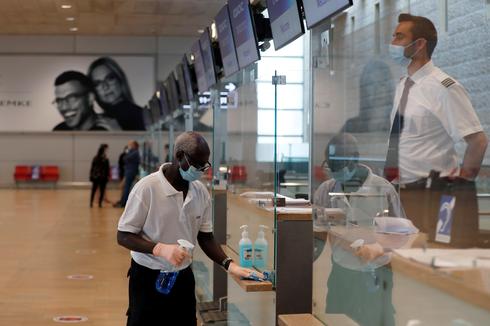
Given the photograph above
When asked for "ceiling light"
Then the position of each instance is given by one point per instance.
(73, 29)
(70, 19)
(65, 6)
(200, 31)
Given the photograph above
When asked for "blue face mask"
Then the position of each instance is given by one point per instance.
(192, 174)
(343, 175)
(397, 54)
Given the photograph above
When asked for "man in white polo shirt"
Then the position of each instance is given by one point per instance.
(163, 207)
(431, 112)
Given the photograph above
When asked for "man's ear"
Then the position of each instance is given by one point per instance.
(179, 155)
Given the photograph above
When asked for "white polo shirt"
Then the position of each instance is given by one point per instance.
(157, 212)
(437, 116)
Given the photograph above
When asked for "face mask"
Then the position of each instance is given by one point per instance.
(192, 174)
(397, 54)
(343, 175)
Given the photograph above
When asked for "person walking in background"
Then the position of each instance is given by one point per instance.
(120, 164)
(131, 167)
(99, 173)
(113, 94)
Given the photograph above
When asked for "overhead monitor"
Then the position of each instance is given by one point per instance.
(164, 104)
(190, 78)
(155, 109)
(207, 57)
(318, 10)
(199, 67)
(226, 42)
(286, 21)
(244, 34)
(172, 92)
(181, 83)
(147, 119)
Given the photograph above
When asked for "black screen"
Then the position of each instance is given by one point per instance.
(172, 92)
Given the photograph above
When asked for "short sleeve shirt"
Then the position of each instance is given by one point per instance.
(438, 114)
(157, 211)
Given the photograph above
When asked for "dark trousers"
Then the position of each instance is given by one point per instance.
(98, 184)
(148, 307)
(128, 182)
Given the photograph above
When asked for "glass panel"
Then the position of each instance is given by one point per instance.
(287, 123)
(289, 96)
(379, 194)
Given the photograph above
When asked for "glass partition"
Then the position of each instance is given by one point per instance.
(383, 239)
(260, 152)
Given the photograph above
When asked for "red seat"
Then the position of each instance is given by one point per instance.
(237, 174)
(50, 173)
(22, 173)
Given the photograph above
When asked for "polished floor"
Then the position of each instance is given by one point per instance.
(47, 235)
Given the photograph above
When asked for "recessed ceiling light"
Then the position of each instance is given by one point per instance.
(200, 31)
(73, 29)
(70, 19)
(65, 6)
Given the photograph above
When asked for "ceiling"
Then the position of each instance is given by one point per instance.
(107, 17)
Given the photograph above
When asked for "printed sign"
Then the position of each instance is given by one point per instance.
(443, 230)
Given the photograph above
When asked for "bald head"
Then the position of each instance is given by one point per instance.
(190, 143)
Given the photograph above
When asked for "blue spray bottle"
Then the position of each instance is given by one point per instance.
(261, 248)
(245, 248)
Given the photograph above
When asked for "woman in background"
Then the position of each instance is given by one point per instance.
(113, 94)
(99, 174)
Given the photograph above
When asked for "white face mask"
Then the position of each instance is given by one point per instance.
(397, 54)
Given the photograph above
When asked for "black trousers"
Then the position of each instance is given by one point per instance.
(97, 183)
(148, 307)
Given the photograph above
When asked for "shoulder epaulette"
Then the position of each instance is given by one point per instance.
(448, 82)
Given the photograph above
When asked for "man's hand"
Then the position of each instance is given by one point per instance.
(238, 271)
(369, 252)
(171, 252)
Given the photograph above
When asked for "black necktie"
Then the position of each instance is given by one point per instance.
(391, 166)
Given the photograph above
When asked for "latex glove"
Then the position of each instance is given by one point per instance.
(173, 253)
(238, 271)
(369, 252)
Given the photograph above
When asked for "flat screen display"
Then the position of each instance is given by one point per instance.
(199, 67)
(147, 119)
(318, 10)
(181, 83)
(164, 106)
(155, 109)
(226, 42)
(286, 21)
(207, 58)
(190, 78)
(243, 32)
(172, 92)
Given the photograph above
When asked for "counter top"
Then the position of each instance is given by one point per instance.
(268, 211)
(247, 285)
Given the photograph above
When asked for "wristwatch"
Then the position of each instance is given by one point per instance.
(226, 263)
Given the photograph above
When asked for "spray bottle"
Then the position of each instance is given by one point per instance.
(245, 248)
(166, 279)
(261, 248)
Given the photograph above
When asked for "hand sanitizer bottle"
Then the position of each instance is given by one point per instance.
(166, 279)
(261, 248)
(245, 248)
